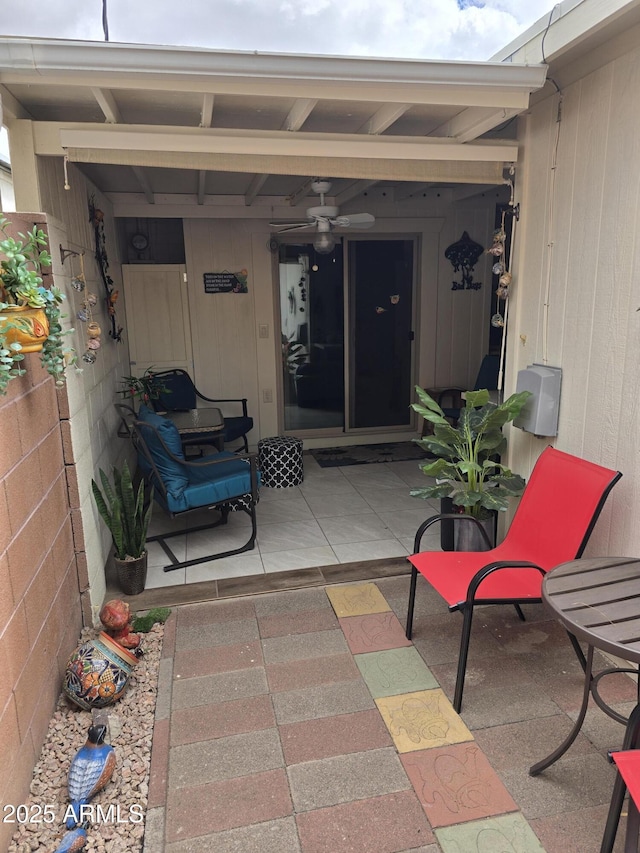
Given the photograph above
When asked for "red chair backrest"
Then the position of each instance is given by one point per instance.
(559, 508)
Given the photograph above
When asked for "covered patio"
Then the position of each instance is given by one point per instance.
(199, 152)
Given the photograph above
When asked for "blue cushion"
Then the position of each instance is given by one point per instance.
(174, 475)
(211, 484)
(180, 394)
(236, 427)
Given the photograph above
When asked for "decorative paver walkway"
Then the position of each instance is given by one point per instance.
(306, 722)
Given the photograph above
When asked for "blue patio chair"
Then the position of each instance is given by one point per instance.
(182, 395)
(222, 482)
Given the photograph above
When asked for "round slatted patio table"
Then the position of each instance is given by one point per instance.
(598, 602)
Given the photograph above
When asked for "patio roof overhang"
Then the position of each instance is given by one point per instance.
(256, 126)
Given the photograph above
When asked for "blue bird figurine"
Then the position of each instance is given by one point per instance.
(73, 841)
(90, 771)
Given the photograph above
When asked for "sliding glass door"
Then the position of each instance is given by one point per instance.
(381, 335)
(348, 320)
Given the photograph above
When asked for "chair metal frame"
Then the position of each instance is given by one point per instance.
(496, 566)
(244, 501)
(128, 416)
(628, 771)
(161, 403)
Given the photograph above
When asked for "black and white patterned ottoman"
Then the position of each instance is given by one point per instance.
(280, 461)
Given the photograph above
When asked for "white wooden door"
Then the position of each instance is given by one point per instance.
(157, 312)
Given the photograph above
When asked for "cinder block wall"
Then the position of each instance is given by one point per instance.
(40, 605)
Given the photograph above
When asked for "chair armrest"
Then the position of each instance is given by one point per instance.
(489, 569)
(242, 400)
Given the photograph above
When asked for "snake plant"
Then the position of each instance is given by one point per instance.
(123, 511)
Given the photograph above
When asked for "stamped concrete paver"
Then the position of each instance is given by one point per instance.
(306, 722)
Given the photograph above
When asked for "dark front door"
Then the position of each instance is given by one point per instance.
(380, 293)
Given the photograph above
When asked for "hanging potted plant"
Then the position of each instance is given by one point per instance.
(124, 512)
(467, 469)
(29, 313)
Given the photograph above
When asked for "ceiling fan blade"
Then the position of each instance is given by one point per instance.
(359, 220)
(290, 226)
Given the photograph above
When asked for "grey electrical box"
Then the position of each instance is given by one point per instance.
(540, 414)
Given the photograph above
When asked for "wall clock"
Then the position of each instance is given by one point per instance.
(139, 242)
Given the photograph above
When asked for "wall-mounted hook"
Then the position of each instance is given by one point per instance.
(66, 253)
(514, 210)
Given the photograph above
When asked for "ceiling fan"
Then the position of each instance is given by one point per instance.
(325, 217)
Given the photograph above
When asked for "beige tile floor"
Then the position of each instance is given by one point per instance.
(337, 515)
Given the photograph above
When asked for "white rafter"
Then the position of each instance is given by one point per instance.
(299, 113)
(138, 171)
(384, 118)
(473, 122)
(254, 188)
(107, 104)
(206, 113)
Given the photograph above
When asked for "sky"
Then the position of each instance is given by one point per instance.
(431, 29)
(410, 29)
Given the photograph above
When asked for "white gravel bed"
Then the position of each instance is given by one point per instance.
(119, 823)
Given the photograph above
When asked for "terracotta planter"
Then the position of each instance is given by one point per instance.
(97, 672)
(31, 327)
(132, 574)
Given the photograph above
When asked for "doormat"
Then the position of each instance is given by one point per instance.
(364, 454)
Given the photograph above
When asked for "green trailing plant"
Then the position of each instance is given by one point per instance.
(467, 467)
(143, 388)
(123, 510)
(21, 286)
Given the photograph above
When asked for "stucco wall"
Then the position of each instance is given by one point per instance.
(40, 579)
(578, 249)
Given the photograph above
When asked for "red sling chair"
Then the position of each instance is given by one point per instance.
(552, 525)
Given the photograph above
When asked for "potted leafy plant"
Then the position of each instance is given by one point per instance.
(144, 388)
(467, 469)
(123, 510)
(29, 313)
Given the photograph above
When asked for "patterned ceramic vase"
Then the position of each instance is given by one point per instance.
(97, 672)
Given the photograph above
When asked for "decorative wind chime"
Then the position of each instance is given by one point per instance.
(85, 315)
(500, 269)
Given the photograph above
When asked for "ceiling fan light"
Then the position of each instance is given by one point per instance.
(324, 243)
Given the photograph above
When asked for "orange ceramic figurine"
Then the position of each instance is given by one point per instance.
(116, 618)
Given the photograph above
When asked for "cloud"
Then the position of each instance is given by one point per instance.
(436, 29)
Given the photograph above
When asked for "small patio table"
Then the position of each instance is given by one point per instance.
(598, 602)
(199, 426)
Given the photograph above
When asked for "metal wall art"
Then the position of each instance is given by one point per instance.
(96, 218)
(463, 256)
